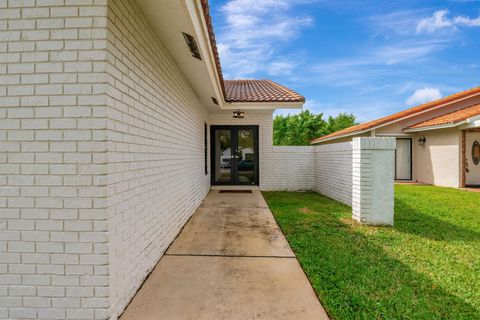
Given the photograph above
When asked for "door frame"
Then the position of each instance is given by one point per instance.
(234, 145)
(411, 160)
(463, 173)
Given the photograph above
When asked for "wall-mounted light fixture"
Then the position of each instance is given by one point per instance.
(421, 140)
(238, 114)
(192, 45)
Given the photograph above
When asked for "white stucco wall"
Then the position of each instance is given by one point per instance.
(438, 160)
(333, 171)
(155, 156)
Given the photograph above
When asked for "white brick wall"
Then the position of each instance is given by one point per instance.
(289, 168)
(373, 163)
(103, 160)
(281, 168)
(333, 171)
(264, 121)
(102, 156)
(53, 244)
(156, 173)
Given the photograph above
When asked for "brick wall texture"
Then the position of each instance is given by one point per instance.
(89, 196)
(155, 175)
(373, 163)
(281, 168)
(102, 156)
(333, 171)
(53, 222)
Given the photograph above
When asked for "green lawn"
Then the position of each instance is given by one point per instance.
(425, 267)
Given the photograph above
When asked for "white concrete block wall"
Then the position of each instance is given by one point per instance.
(290, 168)
(53, 240)
(373, 180)
(156, 174)
(333, 171)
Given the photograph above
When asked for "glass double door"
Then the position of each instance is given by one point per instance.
(234, 155)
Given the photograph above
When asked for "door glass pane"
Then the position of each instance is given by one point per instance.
(403, 160)
(246, 157)
(223, 153)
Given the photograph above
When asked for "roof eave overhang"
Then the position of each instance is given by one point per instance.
(195, 11)
(428, 128)
(263, 105)
(473, 122)
(346, 135)
(394, 121)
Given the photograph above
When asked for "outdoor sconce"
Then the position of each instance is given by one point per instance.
(421, 140)
(238, 114)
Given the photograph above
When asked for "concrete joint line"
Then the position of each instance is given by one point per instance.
(225, 256)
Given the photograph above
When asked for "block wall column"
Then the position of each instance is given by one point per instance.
(373, 167)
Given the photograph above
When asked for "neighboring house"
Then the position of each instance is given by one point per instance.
(437, 142)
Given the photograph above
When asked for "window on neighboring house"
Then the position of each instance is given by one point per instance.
(205, 134)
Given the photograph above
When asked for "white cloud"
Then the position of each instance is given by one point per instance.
(439, 20)
(423, 95)
(377, 63)
(253, 33)
(394, 23)
(281, 68)
(407, 51)
(466, 21)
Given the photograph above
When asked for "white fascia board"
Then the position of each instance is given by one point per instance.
(394, 135)
(346, 135)
(195, 12)
(470, 123)
(262, 105)
(443, 126)
(473, 122)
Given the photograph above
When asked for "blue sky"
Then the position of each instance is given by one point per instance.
(369, 58)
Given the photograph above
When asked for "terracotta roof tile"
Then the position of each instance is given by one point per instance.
(449, 118)
(213, 42)
(399, 115)
(259, 91)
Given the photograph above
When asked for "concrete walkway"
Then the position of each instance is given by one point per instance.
(231, 261)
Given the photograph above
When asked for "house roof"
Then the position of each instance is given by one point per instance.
(247, 90)
(259, 91)
(398, 116)
(451, 118)
(213, 42)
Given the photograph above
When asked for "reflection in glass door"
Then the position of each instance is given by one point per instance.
(246, 156)
(223, 156)
(234, 155)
